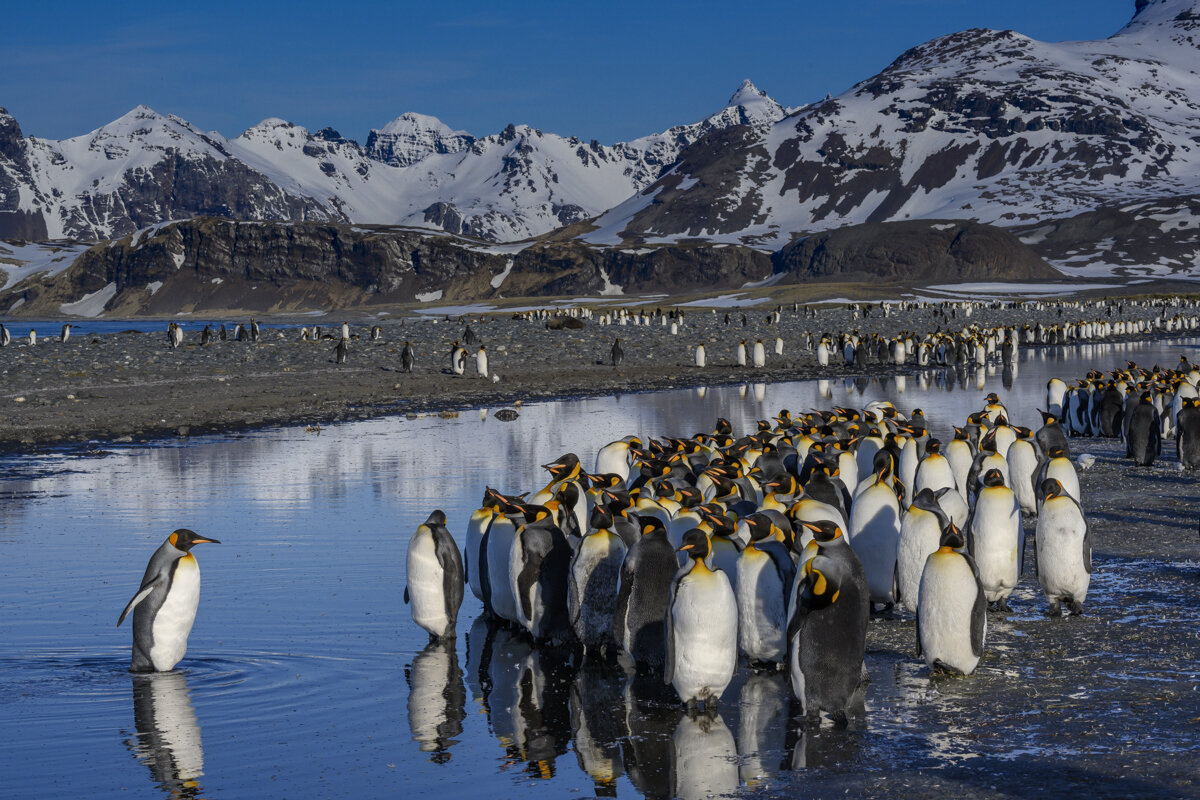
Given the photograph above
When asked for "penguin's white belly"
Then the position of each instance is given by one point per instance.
(762, 623)
(175, 616)
(475, 529)
(1022, 462)
(997, 532)
(934, 473)
(704, 618)
(499, 546)
(1061, 469)
(875, 537)
(426, 589)
(613, 459)
(919, 537)
(1061, 570)
(947, 597)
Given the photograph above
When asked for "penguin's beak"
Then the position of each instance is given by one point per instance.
(202, 540)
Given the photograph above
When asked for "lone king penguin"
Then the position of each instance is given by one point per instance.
(164, 608)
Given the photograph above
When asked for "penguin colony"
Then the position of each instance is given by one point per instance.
(1142, 407)
(683, 557)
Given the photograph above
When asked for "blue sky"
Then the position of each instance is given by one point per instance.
(610, 71)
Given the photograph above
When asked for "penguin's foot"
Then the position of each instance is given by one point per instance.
(1075, 607)
(1055, 609)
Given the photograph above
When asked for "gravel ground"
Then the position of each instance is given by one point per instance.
(130, 384)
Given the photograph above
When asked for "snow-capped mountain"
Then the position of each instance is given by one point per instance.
(982, 124)
(146, 168)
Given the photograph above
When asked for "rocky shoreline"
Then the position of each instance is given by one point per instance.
(131, 386)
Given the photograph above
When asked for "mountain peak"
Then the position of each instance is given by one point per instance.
(747, 93)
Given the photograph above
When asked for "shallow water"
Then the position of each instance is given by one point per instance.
(306, 676)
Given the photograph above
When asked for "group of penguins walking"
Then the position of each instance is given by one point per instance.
(678, 556)
(1140, 406)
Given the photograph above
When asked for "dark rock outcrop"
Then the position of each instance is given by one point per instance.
(917, 250)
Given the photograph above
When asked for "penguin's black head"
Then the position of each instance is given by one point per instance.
(601, 518)
(822, 582)
(952, 537)
(760, 527)
(695, 544)
(1057, 452)
(823, 530)
(933, 446)
(993, 398)
(720, 523)
(1051, 487)
(926, 500)
(436, 518)
(183, 539)
(689, 497)
(650, 525)
(993, 477)
(1047, 417)
(563, 467)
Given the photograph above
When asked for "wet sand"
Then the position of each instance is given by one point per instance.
(130, 384)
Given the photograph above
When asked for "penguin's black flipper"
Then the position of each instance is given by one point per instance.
(405, 597)
(669, 627)
(624, 590)
(920, 650)
(1087, 545)
(450, 560)
(978, 614)
(150, 586)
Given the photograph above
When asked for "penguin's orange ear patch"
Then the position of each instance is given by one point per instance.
(173, 539)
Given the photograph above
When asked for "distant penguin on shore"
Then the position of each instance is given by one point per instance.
(206, 335)
(407, 358)
(701, 357)
(741, 353)
(1143, 442)
(223, 334)
(66, 333)
(5, 336)
(376, 333)
(481, 362)
(760, 354)
(32, 337)
(343, 347)
(617, 354)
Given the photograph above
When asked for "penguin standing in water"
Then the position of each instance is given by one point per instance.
(435, 578)
(827, 634)
(644, 595)
(164, 607)
(617, 354)
(702, 625)
(595, 572)
(407, 358)
(539, 570)
(1187, 437)
(1143, 442)
(1064, 550)
(952, 609)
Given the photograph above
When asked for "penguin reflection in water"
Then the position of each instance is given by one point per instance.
(168, 738)
(164, 607)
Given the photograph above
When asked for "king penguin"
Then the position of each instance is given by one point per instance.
(827, 633)
(595, 571)
(996, 539)
(952, 610)
(406, 358)
(1064, 549)
(702, 628)
(164, 607)
(644, 595)
(765, 572)
(920, 536)
(1187, 437)
(1143, 442)
(435, 578)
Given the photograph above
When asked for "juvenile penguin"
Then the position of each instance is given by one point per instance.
(435, 578)
(164, 607)
(827, 633)
(644, 595)
(996, 539)
(406, 358)
(702, 628)
(952, 609)
(760, 354)
(343, 347)
(1064, 550)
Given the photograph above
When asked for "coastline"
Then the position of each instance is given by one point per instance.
(130, 386)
